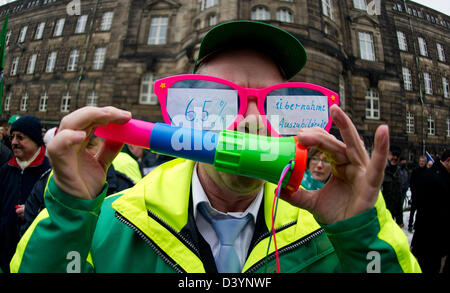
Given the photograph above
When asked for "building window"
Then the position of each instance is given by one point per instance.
(402, 43)
(59, 26)
(205, 4)
(106, 21)
(284, 15)
(8, 36)
(73, 60)
(43, 102)
(65, 103)
(39, 31)
(445, 87)
(51, 62)
(422, 46)
(31, 64)
(441, 53)
(360, 4)
(260, 13)
(212, 20)
(7, 101)
(99, 59)
(407, 80)
(81, 24)
(428, 84)
(431, 125)
(146, 95)
(409, 122)
(92, 99)
(342, 92)
(14, 65)
(327, 8)
(448, 127)
(372, 104)
(366, 46)
(24, 102)
(158, 31)
(22, 34)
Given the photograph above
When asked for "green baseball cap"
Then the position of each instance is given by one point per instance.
(13, 119)
(284, 48)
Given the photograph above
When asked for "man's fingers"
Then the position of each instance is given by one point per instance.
(108, 152)
(65, 141)
(375, 170)
(88, 117)
(335, 149)
(355, 147)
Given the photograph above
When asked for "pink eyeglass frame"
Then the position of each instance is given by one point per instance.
(162, 85)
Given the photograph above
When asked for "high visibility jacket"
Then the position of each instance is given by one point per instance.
(151, 228)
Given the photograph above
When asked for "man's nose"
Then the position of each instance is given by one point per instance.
(252, 122)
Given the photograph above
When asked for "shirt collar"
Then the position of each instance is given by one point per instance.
(199, 196)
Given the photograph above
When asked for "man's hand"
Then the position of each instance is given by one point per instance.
(356, 179)
(20, 211)
(75, 170)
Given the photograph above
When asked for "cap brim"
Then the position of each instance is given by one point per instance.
(284, 48)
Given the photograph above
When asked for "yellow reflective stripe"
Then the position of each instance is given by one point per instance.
(392, 234)
(20, 250)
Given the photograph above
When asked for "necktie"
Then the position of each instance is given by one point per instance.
(228, 229)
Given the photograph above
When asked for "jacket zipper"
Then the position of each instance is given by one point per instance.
(155, 248)
(180, 236)
(285, 249)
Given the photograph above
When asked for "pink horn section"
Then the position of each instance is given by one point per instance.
(135, 132)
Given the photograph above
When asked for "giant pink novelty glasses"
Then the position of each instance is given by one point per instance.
(211, 103)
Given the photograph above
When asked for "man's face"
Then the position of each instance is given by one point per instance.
(422, 162)
(393, 158)
(246, 68)
(22, 146)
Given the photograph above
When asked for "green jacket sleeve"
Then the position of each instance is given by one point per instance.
(372, 242)
(60, 237)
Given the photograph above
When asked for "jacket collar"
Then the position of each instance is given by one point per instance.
(36, 162)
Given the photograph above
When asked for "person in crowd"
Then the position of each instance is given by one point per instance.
(432, 220)
(17, 178)
(35, 202)
(146, 159)
(404, 176)
(417, 178)
(318, 170)
(429, 164)
(392, 185)
(5, 154)
(173, 219)
(7, 133)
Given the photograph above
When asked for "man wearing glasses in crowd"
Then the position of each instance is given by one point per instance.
(169, 222)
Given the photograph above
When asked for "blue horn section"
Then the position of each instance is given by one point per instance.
(188, 143)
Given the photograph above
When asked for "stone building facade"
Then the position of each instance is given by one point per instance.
(111, 53)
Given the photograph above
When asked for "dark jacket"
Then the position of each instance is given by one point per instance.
(417, 178)
(5, 154)
(35, 203)
(15, 187)
(432, 217)
(392, 188)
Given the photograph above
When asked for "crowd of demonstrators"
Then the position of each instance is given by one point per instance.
(431, 242)
(146, 159)
(318, 170)
(17, 178)
(178, 209)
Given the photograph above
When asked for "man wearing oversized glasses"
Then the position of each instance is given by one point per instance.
(174, 219)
